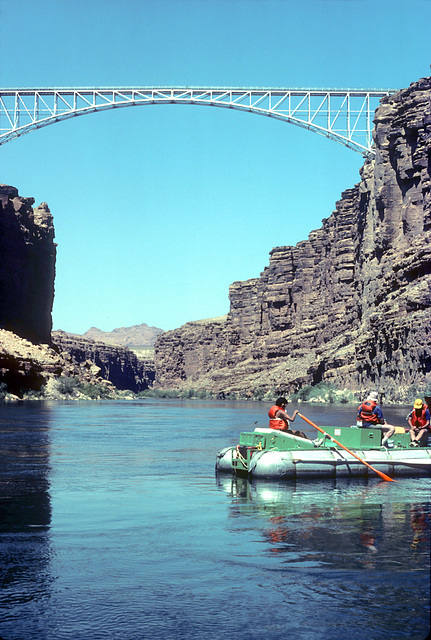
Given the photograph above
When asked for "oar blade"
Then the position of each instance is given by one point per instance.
(383, 475)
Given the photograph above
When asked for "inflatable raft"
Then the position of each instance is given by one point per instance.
(267, 453)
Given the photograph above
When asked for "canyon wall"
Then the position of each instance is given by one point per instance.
(27, 266)
(30, 355)
(26, 367)
(350, 305)
(117, 364)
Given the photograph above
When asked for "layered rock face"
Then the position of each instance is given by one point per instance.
(27, 266)
(350, 305)
(26, 367)
(119, 365)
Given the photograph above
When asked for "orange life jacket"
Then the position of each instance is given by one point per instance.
(419, 420)
(366, 412)
(276, 423)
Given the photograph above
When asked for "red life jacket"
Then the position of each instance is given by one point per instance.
(420, 420)
(276, 423)
(366, 412)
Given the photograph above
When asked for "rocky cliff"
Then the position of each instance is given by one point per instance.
(67, 365)
(350, 305)
(139, 338)
(117, 364)
(30, 357)
(27, 266)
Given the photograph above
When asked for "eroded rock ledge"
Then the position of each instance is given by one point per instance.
(117, 364)
(350, 305)
(27, 367)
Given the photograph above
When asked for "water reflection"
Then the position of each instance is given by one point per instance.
(345, 523)
(24, 483)
(420, 523)
(25, 507)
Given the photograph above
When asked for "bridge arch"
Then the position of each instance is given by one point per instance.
(342, 115)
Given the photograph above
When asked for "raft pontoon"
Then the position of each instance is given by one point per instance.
(267, 453)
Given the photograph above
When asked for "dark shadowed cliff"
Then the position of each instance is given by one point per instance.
(350, 305)
(27, 266)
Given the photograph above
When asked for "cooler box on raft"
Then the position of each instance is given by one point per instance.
(357, 437)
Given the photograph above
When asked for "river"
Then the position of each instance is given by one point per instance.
(114, 526)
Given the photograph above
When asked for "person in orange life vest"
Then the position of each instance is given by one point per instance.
(419, 422)
(371, 415)
(278, 418)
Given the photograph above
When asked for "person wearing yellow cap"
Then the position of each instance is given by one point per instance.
(419, 422)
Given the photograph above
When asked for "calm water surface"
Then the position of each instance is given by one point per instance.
(113, 525)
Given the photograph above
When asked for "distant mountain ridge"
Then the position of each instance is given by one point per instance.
(139, 336)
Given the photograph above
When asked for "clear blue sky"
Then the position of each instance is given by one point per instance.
(159, 209)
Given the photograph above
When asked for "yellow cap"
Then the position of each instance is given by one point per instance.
(418, 404)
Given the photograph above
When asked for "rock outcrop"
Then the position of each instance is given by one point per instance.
(26, 367)
(352, 304)
(27, 266)
(118, 365)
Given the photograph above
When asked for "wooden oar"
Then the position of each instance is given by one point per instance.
(379, 473)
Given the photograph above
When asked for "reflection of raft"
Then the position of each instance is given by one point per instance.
(266, 453)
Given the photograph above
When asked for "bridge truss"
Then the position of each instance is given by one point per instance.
(342, 115)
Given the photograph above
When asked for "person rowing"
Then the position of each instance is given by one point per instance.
(280, 420)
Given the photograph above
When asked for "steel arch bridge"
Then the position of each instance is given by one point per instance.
(342, 115)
